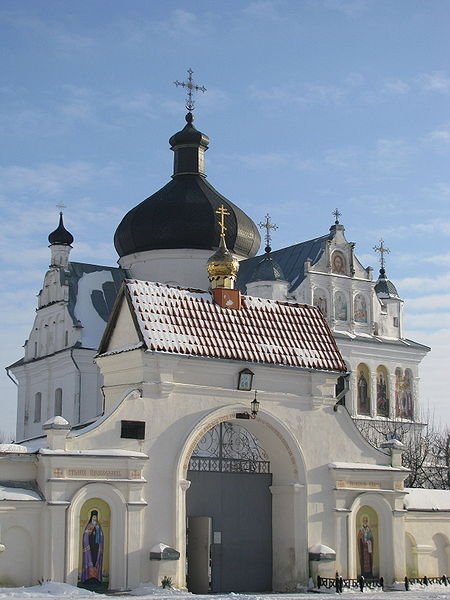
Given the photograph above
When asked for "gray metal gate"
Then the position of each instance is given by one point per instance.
(230, 479)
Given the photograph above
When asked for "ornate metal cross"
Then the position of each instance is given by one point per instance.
(336, 215)
(61, 206)
(222, 212)
(267, 225)
(191, 87)
(382, 250)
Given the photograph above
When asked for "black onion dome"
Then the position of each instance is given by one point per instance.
(182, 214)
(60, 236)
(384, 288)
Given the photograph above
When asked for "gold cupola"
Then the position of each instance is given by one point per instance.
(222, 266)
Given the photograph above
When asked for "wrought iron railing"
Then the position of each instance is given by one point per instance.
(339, 583)
(228, 465)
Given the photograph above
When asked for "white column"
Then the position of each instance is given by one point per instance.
(373, 394)
(392, 379)
(184, 485)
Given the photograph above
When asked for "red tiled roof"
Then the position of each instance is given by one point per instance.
(188, 322)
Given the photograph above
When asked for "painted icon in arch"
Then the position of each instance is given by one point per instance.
(93, 572)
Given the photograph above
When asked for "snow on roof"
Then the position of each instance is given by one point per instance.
(364, 466)
(19, 490)
(13, 449)
(100, 452)
(263, 331)
(427, 500)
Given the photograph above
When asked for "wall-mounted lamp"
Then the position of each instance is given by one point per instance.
(255, 406)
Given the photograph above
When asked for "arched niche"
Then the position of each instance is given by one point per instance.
(320, 300)
(377, 509)
(411, 556)
(440, 554)
(17, 557)
(383, 393)
(340, 306)
(363, 389)
(86, 496)
(367, 543)
(360, 312)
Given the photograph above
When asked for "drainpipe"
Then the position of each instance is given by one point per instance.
(11, 377)
(78, 391)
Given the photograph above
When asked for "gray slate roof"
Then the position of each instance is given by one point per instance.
(291, 261)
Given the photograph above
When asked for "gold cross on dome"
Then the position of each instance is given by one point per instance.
(382, 250)
(222, 212)
(336, 215)
(267, 225)
(61, 206)
(191, 87)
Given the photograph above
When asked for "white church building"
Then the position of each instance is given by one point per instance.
(191, 413)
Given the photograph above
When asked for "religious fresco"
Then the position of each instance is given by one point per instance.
(360, 309)
(93, 569)
(404, 405)
(367, 542)
(320, 300)
(340, 306)
(382, 392)
(362, 382)
(338, 263)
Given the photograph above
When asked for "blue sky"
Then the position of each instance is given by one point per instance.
(311, 105)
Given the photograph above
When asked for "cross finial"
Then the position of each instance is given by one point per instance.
(336, 215)
(267, 225)
(382, 250)
(222, 212)
(191, 87)
(61, 206)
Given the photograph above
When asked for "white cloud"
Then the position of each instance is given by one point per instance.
(421, 283)
(434, 82)
(433, 301)
(350, 8)
(264, 10)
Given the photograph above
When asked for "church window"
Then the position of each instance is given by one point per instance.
(340, 306)
(362, 381)
(360, 309)
(395, 321)
(58, 402)
(35, 349)
(37, 407)
(382, 392)
(66, 339)
(133, 430)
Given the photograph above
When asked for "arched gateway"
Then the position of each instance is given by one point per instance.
(229, 513)
(245, 508)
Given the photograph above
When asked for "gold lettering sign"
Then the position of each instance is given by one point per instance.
(97, 473)
(367, 485)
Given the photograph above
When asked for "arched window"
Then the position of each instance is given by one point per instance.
(382, 391)
(58, 402)
(340, 306)
(360, 309)
(66, 338)
(363, 382)
(320, 300)
(37, 407)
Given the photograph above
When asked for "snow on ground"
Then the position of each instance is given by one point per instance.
(62, 591)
